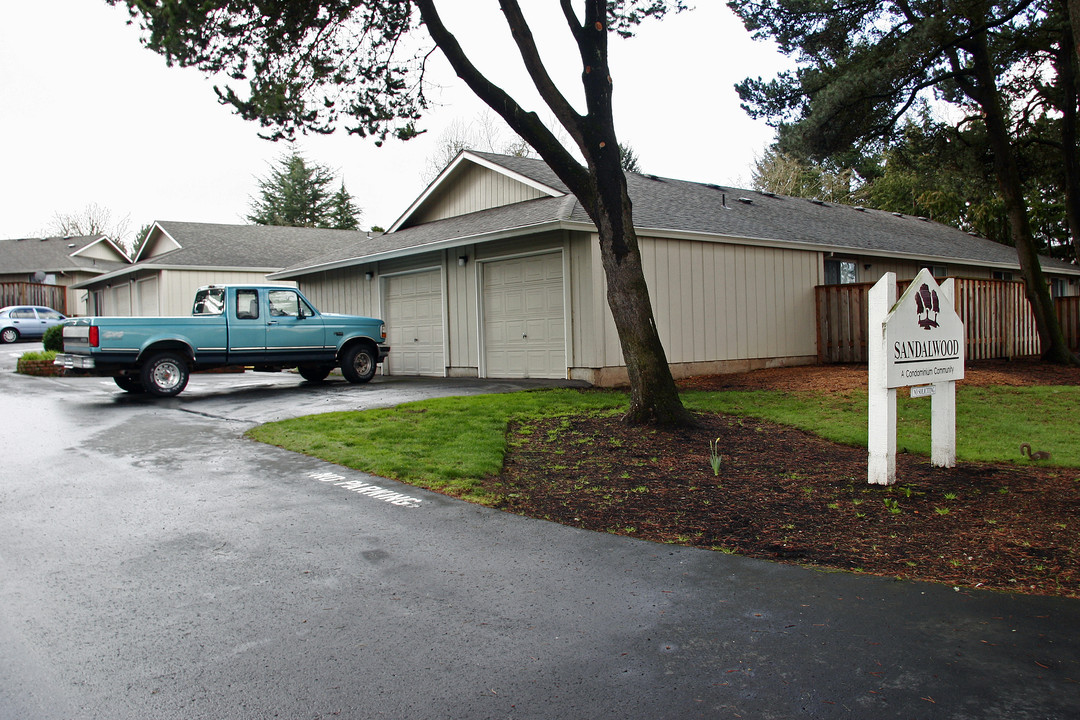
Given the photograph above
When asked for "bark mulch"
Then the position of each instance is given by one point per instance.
(787, 495)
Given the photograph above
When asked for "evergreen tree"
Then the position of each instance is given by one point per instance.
(344, 214)
(863, 66)
(297, 193)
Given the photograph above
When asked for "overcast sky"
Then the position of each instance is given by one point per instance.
(89, 116)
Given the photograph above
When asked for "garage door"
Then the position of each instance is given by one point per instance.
(524, 332)
(414, 324)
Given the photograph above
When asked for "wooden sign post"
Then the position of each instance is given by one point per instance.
(918, 342)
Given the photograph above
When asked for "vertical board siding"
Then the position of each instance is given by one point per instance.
(716, 301)
(478, 188)
(997, 317)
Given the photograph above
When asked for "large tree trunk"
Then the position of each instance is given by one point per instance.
(1054, 347)
(601, 188)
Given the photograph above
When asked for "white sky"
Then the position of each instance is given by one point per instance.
(90, 116)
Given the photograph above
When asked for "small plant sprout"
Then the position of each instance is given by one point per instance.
(714, 456)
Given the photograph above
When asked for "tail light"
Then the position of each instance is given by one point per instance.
(93, 337)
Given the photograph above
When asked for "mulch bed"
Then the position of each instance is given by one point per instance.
(786, 495)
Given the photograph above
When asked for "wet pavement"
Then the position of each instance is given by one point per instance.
(155, 564)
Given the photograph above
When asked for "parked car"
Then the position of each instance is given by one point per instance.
(26, 321)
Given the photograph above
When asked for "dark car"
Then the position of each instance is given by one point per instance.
(26, 321)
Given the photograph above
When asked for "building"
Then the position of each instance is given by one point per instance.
(29, 266)
(494, 271)
(179, 257)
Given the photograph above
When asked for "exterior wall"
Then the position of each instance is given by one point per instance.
(175, 290)
(719, 307)
(477, 188)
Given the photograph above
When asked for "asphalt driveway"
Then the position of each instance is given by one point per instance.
(154, 564)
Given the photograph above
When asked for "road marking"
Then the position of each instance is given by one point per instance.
(365, 488)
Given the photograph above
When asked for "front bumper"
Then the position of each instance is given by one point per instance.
(74, 362)
(384, 350)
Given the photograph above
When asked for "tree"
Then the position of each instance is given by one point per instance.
(91, 220)
(629, 159)
(297, 194)
(312, 65)
(778, 172)
(864, 65)
(344, 214)
(486, 132)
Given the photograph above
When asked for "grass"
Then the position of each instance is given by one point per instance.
(452, 444)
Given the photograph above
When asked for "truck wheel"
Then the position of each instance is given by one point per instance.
(9, 335)
(129, 383)
(164, 374)
(314, 373)
(358, 364)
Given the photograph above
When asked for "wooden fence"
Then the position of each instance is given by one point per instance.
(998, 322)
(24, 293)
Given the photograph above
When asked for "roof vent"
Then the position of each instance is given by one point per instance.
(767, 193)
(654, 177)
(924, 219)
(860, 208)
(898, 214)
(746, 201)
(818, 202)
(71, 245)
(714, 186)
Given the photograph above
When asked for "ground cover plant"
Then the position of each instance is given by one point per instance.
(776, 470)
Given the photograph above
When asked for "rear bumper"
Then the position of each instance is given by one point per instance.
(75, 362)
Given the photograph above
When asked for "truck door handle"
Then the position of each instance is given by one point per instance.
(272, 322)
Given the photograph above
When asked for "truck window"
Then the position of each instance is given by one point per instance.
(285, 303)
(247, 304)
(209, 301)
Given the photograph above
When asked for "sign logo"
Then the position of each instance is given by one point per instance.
(926, 301)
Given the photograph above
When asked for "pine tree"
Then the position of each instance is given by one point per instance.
(297, 193)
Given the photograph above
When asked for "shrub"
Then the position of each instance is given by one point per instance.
(54, 338)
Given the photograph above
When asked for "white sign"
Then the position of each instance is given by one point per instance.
(915, 341)
(924, 337)
(918, 391)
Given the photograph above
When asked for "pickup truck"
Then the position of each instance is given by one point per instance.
(268, 327)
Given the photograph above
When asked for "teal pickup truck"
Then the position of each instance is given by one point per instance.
(268, 327)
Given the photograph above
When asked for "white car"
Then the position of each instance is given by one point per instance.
(26, 321)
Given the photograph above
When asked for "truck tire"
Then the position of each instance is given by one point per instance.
(164, 374)
(358, 364)
(129, 383)
(314, 373)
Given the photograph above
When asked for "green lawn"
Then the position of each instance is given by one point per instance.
(452, 444)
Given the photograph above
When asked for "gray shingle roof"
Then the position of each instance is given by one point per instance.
(665, 206)
(254, 246)
(52, 254)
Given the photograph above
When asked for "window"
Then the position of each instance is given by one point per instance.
(247, 304)
(1001, 275)
(840, 272)
(1057, 287)
(47, 314)
(287, 303)
(23, 313)
(939, 271)
(209, 301)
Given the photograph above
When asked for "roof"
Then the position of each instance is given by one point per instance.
(665, 207)
(257, 248)
(57, 254)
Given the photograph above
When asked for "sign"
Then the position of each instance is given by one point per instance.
(918, 391)
(924, 337)
(918, 342)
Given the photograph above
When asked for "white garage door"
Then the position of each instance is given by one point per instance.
(414, 324)
(524, 332)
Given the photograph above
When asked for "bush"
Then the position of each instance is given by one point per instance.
(54, 338)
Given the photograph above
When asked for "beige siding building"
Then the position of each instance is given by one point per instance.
(495, 271)
(61, 261)
(177, 258)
